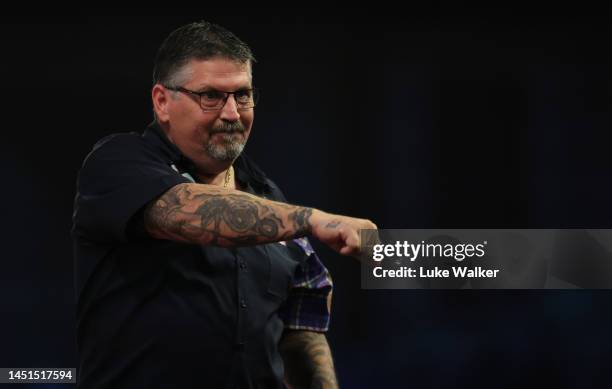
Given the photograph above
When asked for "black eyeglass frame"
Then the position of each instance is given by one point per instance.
(254, 91)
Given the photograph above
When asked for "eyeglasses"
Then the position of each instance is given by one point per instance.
(214, 100)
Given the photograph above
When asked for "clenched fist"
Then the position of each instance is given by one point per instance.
(341, 233)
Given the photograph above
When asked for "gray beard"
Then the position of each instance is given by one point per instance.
(228, 150)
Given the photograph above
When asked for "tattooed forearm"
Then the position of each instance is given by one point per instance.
(300, 219)
(203, 214)
(333, 224)
(308, 360)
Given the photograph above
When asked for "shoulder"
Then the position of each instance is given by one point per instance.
(117, 142)
(120, 147)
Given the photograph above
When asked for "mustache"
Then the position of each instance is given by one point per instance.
(228, 127)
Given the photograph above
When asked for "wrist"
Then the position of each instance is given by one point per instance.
(315, 218)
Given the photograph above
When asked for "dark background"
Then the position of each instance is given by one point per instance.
(417, 118)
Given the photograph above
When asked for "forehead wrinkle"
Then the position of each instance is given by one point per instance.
(241, 84)
(216, 77)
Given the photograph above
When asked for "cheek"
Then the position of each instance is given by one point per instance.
(247, 120)
(193, 123)
(187, 133)
(179, 117)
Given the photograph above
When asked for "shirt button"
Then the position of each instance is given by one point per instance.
(243, 303)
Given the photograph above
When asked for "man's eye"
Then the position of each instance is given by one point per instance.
(243, 95)
(211, 95)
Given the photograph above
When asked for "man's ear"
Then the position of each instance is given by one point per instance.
(160, 97)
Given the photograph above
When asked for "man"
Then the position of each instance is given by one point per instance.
(191, 269)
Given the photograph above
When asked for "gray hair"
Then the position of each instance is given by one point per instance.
(201, 40)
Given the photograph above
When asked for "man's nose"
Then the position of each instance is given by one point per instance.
(229, 111)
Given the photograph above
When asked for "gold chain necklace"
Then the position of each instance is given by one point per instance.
(228, 176)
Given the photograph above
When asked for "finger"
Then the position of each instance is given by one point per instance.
(353, 240)
(352, 252)
(346, 250)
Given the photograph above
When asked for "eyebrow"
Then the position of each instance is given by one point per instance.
(208, 88)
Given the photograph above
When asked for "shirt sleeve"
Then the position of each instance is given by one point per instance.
(118, 178)
(306, 307)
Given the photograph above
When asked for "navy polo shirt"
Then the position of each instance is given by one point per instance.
(160, 314)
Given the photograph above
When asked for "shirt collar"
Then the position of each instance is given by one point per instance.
(247, 172)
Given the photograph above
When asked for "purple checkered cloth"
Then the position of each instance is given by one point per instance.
(306, 307)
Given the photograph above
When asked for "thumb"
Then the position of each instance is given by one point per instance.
(346, 250)
(351, 244)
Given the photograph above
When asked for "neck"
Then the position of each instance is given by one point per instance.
(217, 178)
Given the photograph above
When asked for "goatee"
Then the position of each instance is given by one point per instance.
(232, 141)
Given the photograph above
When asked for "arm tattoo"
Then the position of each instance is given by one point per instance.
(333, 224)
(308, 360)
(300, 219)
(195, 213)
